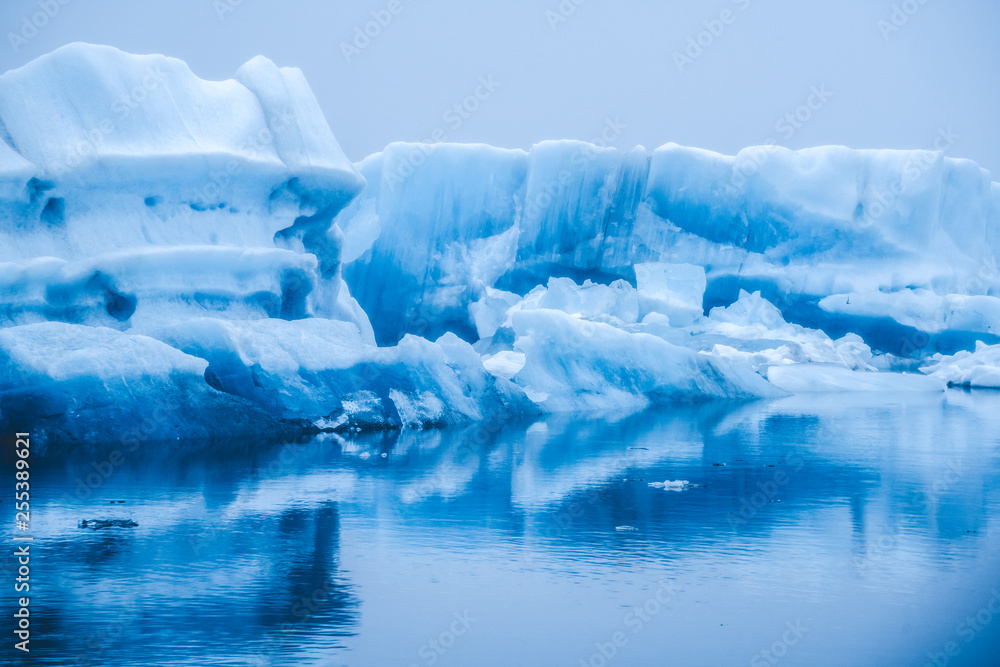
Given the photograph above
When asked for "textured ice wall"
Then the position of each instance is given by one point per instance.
(821, 232)
(107, 155)
(168, 262)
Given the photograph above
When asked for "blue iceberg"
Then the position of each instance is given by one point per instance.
(171, 241)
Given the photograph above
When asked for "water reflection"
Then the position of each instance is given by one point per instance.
(231, 560)
(870, 520)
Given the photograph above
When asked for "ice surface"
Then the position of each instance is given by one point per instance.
(617, 303)
(922, 309)
(750, 331)
(573, 364)
(96, 116)
(168, 283)
(328, 373)
(106, 151)
(436, 222)
(980, 368)
(753, 330)
(83, 383)
(674, 290)
(810, 378)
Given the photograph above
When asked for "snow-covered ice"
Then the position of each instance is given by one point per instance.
(573, 364)
(674, 290)
(980, 368)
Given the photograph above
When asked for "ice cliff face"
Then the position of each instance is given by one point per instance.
(900, 246)
(201, 258)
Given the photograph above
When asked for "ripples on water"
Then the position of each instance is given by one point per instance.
(828, 530)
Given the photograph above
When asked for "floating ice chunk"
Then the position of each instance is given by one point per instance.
(490, 311)
(615, 304)
(675, 290)
(504, 364)
(668, 485)
(976, 369)
(572, 364)
(750, 310)
(811, 378)
(752, 331)
(166, 223)
(271, 375)
(117, 157)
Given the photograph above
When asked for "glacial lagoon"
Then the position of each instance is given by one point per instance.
(837, 529)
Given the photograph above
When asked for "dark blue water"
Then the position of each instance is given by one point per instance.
(831, 530)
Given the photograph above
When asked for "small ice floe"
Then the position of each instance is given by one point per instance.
(331, 423)
(676, 485)
(97, 524)
(626, 529)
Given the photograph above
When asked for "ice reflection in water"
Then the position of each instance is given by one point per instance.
(829, 529)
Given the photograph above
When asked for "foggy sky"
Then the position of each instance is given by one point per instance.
(894, 84)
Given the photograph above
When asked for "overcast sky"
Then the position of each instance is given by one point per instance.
(565, 73)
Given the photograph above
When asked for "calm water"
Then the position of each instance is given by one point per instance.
(466, 548)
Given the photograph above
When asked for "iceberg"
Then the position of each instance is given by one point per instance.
(807, 229)
(207, 246)
(148, 214)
